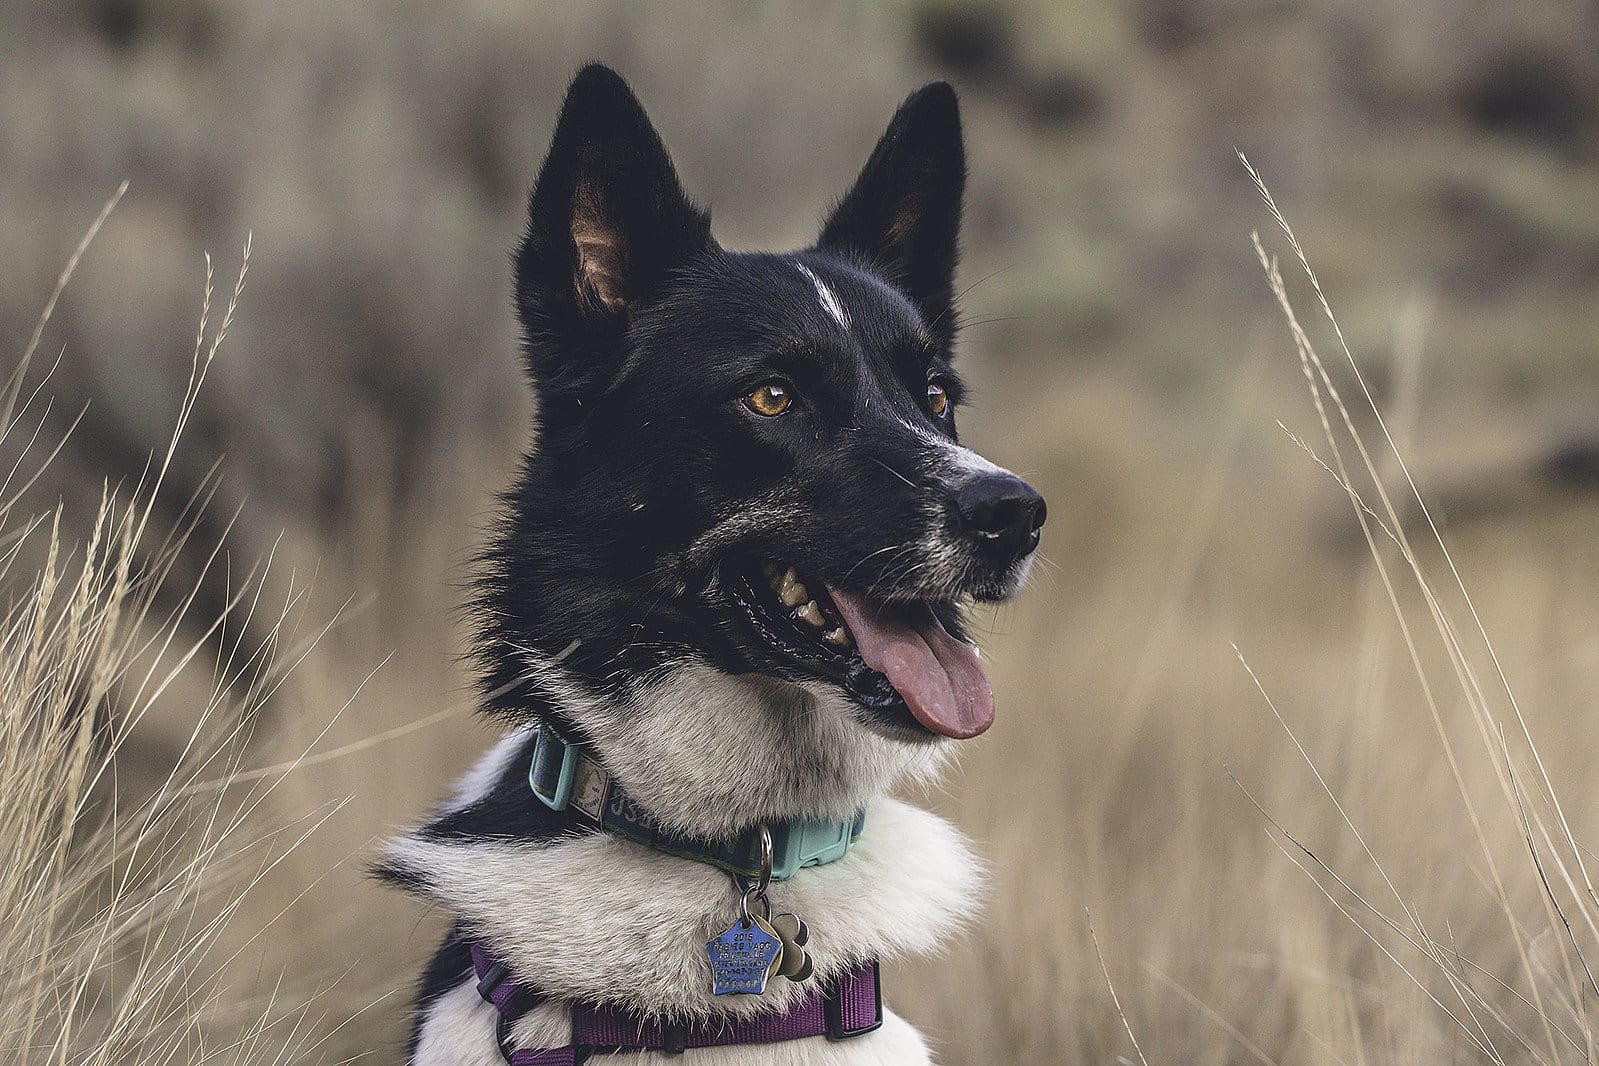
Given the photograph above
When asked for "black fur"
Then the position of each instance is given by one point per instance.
(506, 811)
(902, 217)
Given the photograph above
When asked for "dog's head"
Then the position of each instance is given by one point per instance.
(751, 460)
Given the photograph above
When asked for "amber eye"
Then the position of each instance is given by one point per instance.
(770, 400)
(937, 398)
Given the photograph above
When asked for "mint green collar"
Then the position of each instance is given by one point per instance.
(565, 777)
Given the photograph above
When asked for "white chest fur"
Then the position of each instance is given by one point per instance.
(603, 918)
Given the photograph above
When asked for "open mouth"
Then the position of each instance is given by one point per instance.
(891, 658)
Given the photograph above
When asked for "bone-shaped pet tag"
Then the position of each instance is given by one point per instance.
(744, 957)
(795, 962)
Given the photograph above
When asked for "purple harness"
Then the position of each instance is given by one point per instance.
(850, 1005)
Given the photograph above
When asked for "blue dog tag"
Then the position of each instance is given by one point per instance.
(743, 957)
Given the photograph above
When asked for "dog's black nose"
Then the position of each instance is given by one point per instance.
(1002, 513)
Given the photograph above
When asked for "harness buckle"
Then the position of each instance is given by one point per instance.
(833, 1007)
(490, 981)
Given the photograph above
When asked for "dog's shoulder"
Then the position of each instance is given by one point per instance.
(602, 918)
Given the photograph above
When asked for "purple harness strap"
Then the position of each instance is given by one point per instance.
(849, 1006)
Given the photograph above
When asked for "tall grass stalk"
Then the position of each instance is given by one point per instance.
(114, 897)
(1532, 1004)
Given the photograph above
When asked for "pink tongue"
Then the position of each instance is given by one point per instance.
(939, 677)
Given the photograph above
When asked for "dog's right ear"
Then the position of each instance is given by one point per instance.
(607, 221)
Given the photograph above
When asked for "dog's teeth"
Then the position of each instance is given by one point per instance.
(791, 591)
(811, 614)
(838, 635)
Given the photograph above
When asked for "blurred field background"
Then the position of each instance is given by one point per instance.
(1439, 160)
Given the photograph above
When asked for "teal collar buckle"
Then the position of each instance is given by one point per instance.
(566, 778)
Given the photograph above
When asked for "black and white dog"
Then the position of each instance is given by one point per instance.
(722, 618)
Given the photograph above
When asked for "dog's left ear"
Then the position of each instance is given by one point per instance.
(607, 222)
(902, 216)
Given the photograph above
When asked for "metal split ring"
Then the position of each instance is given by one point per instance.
(766, 859)
(753, 893)
(758, 889)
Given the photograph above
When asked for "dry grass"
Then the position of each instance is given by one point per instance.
(1523, 1011)
(116, 892)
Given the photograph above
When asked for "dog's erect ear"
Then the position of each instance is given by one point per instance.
(607, 219)
(903, 213)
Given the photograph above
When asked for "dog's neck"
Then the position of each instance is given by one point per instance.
(602, 918)
(709, 754)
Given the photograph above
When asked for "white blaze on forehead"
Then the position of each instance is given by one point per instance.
(829, 298)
